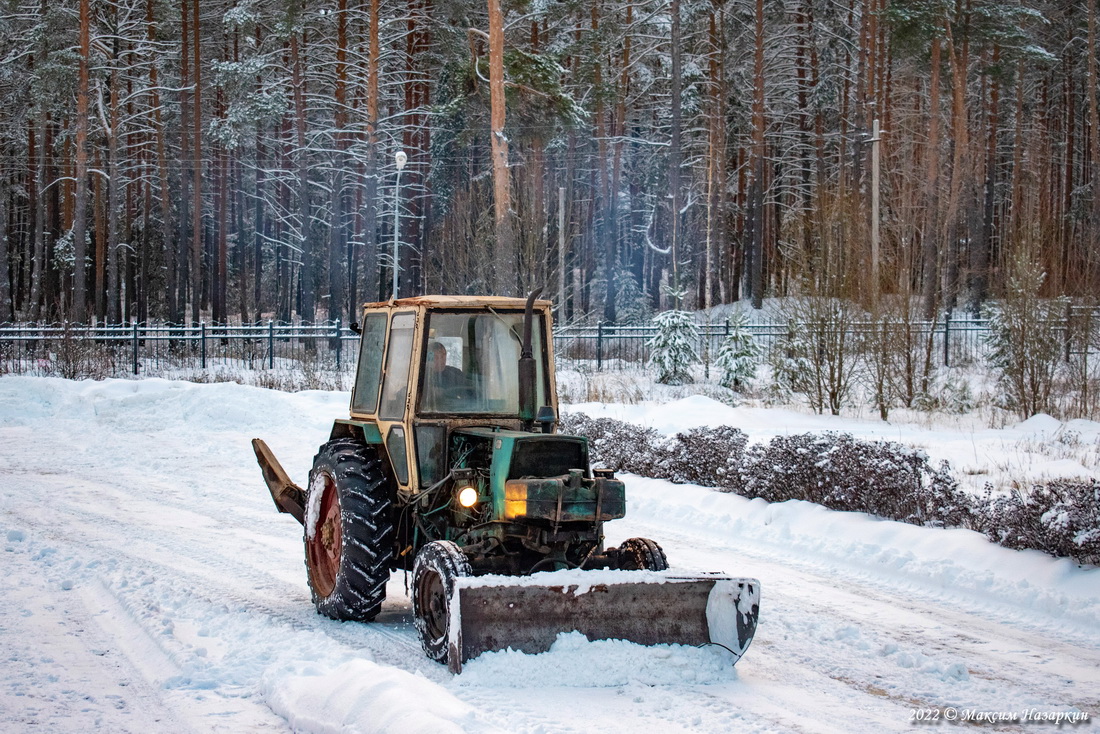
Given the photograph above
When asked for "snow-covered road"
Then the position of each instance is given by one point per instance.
(147, 584)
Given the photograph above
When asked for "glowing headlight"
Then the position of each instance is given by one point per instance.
(467, 496)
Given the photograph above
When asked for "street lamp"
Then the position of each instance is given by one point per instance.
(399, 158)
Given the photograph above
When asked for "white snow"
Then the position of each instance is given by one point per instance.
(149, 585)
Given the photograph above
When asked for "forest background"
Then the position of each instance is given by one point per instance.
(178, 160)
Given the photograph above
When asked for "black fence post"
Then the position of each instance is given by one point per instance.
(202, 340)
(339, 345)
(135, 347)
(271, 344)
(1069, 335)
(947, 338)
(599, 346)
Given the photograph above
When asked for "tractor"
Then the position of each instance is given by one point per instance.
(449, 466)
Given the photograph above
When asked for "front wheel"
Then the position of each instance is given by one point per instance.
(348, 531)
(642, 554)
(437, 566)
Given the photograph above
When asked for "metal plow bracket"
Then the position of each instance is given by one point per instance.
(686, 611)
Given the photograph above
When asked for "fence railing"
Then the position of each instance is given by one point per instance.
(75, 350)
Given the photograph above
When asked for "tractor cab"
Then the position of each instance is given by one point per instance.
(435, 363)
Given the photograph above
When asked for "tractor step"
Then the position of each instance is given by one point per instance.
(646, 607)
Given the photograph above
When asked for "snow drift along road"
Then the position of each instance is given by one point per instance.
(149, 585)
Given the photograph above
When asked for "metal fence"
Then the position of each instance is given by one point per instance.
(957, 339)
(611, 346)
(103, 351)
(100, 351)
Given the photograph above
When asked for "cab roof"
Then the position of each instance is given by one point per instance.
(458, 302)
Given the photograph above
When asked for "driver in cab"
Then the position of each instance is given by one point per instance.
(444, 384)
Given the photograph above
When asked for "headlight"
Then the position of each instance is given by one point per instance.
(467, 496)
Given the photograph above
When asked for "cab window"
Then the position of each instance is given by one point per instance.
(365, 397)
(395, 386)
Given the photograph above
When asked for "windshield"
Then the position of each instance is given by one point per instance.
(471, 363)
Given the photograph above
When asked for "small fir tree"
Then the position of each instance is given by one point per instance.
(671, 350)
(632, 302)
(738, 356)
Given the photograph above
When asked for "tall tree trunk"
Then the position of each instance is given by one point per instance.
(114, 188)
(80, 250)
(196, 164)
(7, 303)
(38, 198)
(1092, 263)
(337, 272)
(756, 270)
(504, 281)
(981, 255)
(302, 159)
(674, 149)
(930, 247)
(370, 176)
(168, 243)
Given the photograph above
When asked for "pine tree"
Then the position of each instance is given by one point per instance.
(739, 355)
(671, 350)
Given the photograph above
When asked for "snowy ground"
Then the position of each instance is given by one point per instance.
(149, 585)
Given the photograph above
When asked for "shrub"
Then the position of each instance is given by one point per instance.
(1061, 517)
(840, 472)
(1025, 344)
(707, 456)
(819, 355)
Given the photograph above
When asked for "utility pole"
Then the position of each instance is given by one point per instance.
(561, 253)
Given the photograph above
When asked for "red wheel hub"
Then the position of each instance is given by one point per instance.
(326, 545)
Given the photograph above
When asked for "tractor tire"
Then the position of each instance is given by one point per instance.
(348, 530)
(641, 554)
(437, 566)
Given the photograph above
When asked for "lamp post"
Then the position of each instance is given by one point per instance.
(399, 159)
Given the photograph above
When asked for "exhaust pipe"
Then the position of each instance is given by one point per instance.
(528, 374)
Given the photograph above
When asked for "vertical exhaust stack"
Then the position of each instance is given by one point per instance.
(528, 374)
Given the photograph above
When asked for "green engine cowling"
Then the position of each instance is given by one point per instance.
(538, 478)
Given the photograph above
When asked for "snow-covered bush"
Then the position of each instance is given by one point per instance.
(618, 445)
(1061, 517)
(738, 355)
(710, 457)
(1025, 343)
(840, 472)
(672, 351)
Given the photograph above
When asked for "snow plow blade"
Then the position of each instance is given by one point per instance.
(288, 496)
(647, 608)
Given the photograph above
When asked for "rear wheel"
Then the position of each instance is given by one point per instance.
(349, 531)
(437, 566)
(641, 554)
